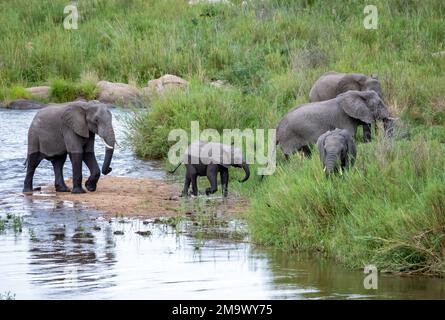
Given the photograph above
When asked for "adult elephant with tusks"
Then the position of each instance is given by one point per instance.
(61, 130)
(207, 159)
(302, 126)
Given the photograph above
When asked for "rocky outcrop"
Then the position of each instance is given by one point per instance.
(165, 83)
(23, 104)
(42, 92)
(121, 94)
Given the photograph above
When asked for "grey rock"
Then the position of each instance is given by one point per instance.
(23, 104)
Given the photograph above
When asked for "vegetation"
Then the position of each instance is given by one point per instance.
(7, 296)
(388, 211)
(11, 221)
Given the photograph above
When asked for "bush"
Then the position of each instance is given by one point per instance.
(65, 91)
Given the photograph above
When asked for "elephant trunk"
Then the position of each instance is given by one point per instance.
(330, 163)
(245, 166)
(109, 141)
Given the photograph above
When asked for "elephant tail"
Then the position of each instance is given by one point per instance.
(174, 170)
(26, 162)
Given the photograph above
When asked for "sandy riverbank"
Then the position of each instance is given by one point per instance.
(148, 198)
(124, 196)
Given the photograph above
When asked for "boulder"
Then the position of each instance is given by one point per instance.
(166, 82)
(42, 92)
(118, 93)
(220, 84)
(23, 104)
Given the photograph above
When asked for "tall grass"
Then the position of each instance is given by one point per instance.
(388, 211)
(272, 50)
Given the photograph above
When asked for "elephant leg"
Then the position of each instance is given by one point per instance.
(33, 162)
(76, 161)
(194, 179)
(90, 160)
(212, 174)
(187, 182)
(224, 181)
(367, 128)
(59, 182)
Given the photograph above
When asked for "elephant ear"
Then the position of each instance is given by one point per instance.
(320, 145)
(74, 117)
(351, 149)
(351, 81)
(354, 103)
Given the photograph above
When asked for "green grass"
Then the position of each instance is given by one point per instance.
(63, 91)
(388, 211)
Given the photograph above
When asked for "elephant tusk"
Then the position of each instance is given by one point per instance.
(106, 145)
(324, 169)
(341, 171)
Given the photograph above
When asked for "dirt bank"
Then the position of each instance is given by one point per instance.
(124, 196)
(150, 198)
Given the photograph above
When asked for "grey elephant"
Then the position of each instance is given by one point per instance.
(302, 126)
(208, 159)
(337, 150)
(332, 83)
(61, 130)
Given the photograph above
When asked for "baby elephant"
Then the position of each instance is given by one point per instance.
(207, 159)
(337, 150)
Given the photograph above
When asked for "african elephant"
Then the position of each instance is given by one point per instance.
(302, 125)
(207, 159)
(332, 83)
(337, 150)
(61, 130)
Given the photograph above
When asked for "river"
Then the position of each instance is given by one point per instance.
(65, 251)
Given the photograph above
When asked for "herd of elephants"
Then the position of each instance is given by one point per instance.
(339, 103)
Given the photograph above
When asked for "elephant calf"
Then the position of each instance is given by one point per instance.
(337, 150)
(207, 159)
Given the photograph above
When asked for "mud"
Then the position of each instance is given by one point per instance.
(123, 196)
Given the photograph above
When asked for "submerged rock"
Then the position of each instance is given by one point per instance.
(23, 104)
(144, 233)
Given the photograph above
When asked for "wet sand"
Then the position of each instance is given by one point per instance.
(146, 198)
(122, 196)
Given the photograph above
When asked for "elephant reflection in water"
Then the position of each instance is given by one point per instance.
(63, 244)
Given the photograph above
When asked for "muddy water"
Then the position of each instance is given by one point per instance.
(64, 251)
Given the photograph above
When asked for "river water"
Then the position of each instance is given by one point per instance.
(64, 251)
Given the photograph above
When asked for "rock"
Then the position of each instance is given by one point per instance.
(23, 104)
(220, 84)
(164, 83)
(118, 233)
(144, 233)
(42, 92)
(118, 93)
